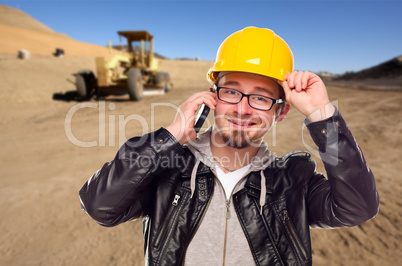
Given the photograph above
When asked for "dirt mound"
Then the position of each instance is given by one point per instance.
(14, 17)
(384, 76)
(21, 31)
(41, 43)
(389, 69)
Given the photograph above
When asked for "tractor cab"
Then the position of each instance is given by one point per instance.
(140, 46)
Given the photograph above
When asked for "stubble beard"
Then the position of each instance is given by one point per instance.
(236, 139)
(239, 139)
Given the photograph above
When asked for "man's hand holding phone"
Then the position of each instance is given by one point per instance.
(183, 126)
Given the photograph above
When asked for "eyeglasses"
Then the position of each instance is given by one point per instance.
(256, 101)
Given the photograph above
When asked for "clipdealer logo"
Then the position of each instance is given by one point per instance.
(329, 155)
(121, 120)
(111, 126)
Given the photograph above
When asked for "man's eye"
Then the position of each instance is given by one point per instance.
(232, 92)
(260, 99)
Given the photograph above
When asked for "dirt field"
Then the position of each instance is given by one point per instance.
(44, 164)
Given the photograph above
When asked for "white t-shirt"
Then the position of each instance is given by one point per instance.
(229, 180)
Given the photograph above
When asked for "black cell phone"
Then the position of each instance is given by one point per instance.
(203, 113)
(200, 119)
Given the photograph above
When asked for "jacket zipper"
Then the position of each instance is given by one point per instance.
(227, 215)
(166, 221)
(202, 218)
(293, 232)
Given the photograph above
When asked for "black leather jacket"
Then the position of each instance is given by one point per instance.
(148, 172)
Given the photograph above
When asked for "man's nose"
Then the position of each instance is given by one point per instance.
(243, 108)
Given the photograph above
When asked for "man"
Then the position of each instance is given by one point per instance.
(221, 198)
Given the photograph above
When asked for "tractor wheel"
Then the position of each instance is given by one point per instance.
(85, 82)
(163, 79)
(134, 84)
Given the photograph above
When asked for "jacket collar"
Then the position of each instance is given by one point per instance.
(253, 181)
(202, 169)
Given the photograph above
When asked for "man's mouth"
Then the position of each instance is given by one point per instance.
(240, 124)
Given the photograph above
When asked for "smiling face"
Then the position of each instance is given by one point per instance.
(240, 125)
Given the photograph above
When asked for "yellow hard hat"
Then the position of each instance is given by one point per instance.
(253, 50)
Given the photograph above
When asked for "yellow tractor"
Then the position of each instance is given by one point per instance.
(135, 73)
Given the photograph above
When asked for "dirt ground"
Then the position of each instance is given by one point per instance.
(51, 144)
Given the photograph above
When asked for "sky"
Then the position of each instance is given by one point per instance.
(324, 35)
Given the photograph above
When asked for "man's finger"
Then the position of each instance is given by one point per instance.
(285, 87)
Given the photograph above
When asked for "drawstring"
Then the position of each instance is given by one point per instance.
(263, 184)
(201, 151)
(193, 175)
(263, 191)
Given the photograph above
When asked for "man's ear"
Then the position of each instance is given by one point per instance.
(283, 113)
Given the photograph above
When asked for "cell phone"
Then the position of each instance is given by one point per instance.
(203, 113)
(201, 116)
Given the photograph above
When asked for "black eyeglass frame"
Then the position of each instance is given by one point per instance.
(274, 101)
